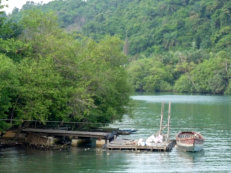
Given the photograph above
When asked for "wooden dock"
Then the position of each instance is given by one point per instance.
(126, 144)
(154, 144)
(77, 134)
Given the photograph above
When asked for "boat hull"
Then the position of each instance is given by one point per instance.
(190, 148)
(190, 141)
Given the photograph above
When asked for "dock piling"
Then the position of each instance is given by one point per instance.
(169, 115)
(161, 118)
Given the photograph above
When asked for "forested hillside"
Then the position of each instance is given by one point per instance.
(173, 45)
(71, 67)
(150, 25)
(48, 74)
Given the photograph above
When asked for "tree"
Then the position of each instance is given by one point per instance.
(41, 95)
(93, 74)
(53, 75)
(8, 89)
(150, 75)
(15, 49)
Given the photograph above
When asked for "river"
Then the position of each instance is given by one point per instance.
(209, 115)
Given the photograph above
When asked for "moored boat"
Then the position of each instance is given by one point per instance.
(190, 141)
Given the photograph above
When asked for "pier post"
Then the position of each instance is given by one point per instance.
(75, 142)
(114, 137)
(169, 115)
(107, 142)
(161, 118)
(50, 140)
(100, 142)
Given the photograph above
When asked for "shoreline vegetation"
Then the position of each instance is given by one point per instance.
(79, 60)
(178, 45)
(48, 74)
(211, 76)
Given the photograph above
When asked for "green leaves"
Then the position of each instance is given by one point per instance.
(46, 74)
(103, 67)
(35, 22)
(150, 75)
(150, 26)
(41, 93)
(188, 71)
(8, 88)
(15, 49)
(210, 76)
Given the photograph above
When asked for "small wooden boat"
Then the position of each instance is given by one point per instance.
(190, 141)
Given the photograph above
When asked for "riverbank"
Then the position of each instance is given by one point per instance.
(11, 139)
(18, 139)
(209, 115)
(47, 138)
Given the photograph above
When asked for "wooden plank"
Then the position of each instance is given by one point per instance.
(122, 145)
(68, 133)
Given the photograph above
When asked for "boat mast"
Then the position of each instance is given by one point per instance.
(168, 124)
(161, 118)
(169, 115)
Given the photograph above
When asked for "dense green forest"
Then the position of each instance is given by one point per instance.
(64, 61)
(173, 45)
(48, 74)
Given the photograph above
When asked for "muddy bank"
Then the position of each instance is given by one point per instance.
(35, 141)
(11, 139)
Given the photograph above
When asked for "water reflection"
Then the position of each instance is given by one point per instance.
(191, 157)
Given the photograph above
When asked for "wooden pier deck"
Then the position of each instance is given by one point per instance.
(126, 144)
(84, 134)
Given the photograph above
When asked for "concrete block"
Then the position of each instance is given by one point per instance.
(77, 142)
(50, 141)
(100, 142)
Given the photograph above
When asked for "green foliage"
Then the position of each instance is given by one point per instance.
(161, 31)
(15, 49)
(40, 94)
(174, 45)
(1, 6)
(150, 26)
(8, 87)
(150, 75)
(184, 84)
(228, 89)
(8, 28)
(46, 74)
(211, 76)
(111, 89)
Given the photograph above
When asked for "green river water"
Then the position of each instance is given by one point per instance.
(209, 115)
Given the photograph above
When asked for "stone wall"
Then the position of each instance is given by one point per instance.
(38, 140)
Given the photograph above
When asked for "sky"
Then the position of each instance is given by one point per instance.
(19, 3)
